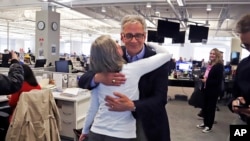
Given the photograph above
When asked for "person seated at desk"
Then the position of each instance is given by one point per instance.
(29, 84)
(27, 59)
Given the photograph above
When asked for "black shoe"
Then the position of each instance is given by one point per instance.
(200, 114)
(217, 108)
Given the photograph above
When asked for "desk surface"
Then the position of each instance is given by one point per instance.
(57, 95)
(83, 95)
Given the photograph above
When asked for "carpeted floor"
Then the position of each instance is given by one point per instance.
(183, 120)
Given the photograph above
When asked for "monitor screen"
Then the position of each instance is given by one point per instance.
(197, 33)
(235, 58)
(153, 37)
(40, 63)
(62, 66)
(195, 41)
(196, 63)
(184, 66)
(227, 69)
(168, 29)
(180, 38)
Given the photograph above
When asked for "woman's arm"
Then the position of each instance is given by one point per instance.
(146, 65)
(93, 108)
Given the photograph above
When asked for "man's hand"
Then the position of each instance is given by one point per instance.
(119, 103)
(14, 55)
(82, 137)
(111, 79)
(237, 102)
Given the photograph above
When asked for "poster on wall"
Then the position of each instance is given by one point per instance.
(41, 53)
(53, 49)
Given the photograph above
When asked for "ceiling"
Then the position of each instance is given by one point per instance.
(84, 18)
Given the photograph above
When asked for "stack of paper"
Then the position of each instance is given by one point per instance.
(71, 92)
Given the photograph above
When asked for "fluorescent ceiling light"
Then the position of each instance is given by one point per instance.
(103, 9)
(209, 7)
(181, 2)
(157, 12)
(148, 5)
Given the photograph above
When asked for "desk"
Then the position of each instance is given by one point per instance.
(181, 82)
(72, 111)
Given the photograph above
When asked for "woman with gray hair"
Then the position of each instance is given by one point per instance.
(101, 124)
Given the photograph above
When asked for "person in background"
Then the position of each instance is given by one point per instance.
(212, 88)
(28, 84)
(29, 51)
(172, 66)
(12, 82)
(180, 60)
(240, 101)
(149, 111)
(106, 56)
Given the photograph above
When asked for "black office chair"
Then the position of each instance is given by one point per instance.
(5, 112)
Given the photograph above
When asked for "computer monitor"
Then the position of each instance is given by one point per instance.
(180, 38)
(168, 29)
(197, 63)
(153, 37)
(62, 66)
(228, 69)
(5, 60)
(197, 33)
(62, 59)
(235, 58)
(40, 63)
(184, 66)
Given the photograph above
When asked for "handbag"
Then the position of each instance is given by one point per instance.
(197, 97)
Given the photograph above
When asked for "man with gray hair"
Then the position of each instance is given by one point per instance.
(240, 103)
(149, 111)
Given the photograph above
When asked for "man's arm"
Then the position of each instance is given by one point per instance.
(85, 80)
(90, 80)
(13, 82)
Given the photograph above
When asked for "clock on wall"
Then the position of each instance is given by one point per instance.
(41, 25)
(54, 26)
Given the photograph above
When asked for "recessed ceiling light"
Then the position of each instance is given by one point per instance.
(209, 7)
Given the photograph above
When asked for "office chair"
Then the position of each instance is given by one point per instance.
(36, 117)
(5, 112)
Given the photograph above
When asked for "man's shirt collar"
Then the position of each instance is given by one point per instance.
(137, 56)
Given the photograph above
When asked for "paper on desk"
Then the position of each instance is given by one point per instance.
(71, 91)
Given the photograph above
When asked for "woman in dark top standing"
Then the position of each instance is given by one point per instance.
(212, 88)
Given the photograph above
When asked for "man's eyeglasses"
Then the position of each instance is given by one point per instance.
(246, 46)
(130, 36)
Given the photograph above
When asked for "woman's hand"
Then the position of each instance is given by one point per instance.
(82, 137)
